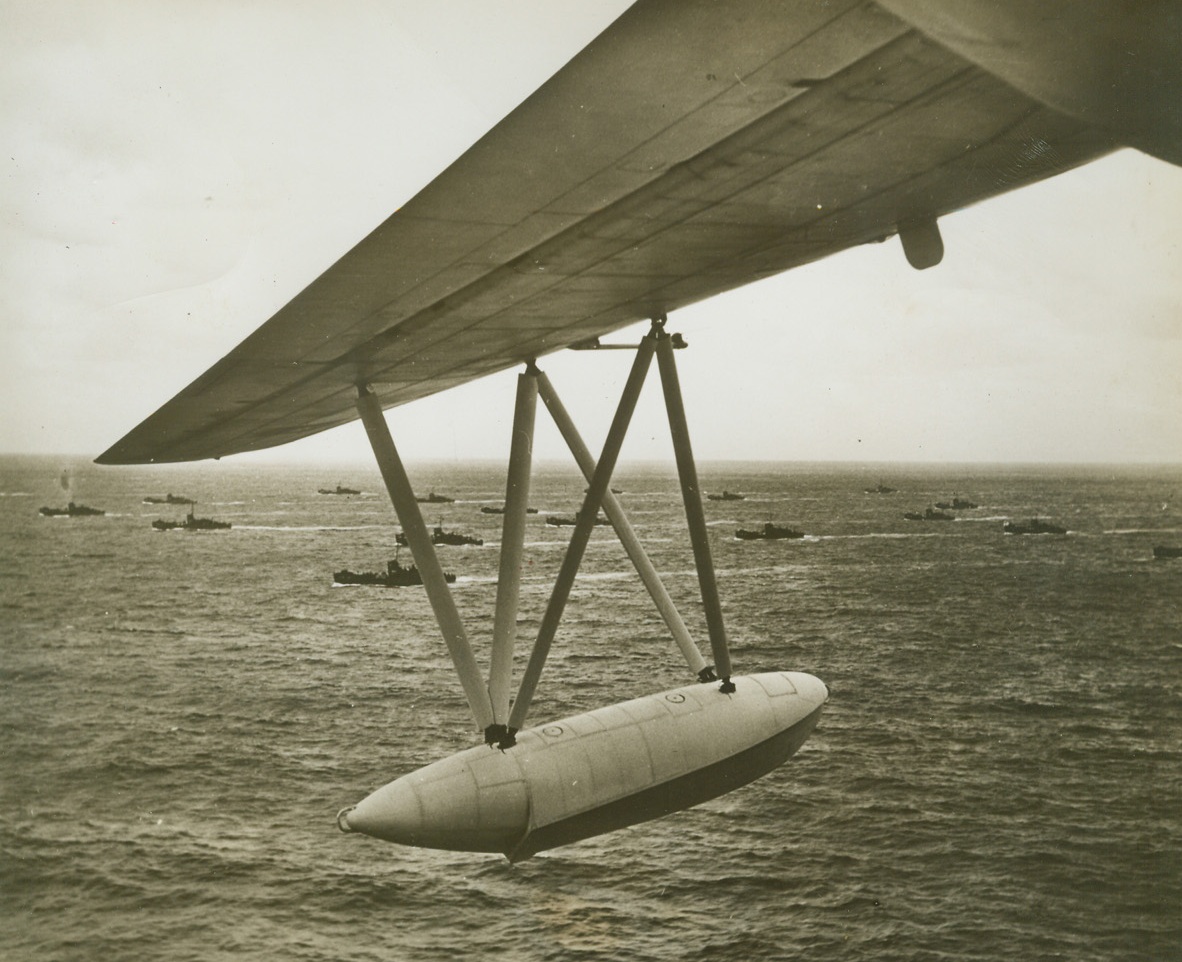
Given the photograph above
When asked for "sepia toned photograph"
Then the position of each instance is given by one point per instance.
(596, 480)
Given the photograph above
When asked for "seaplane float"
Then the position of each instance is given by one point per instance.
(691, 148)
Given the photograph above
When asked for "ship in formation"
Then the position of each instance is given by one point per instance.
(440, 536)
(928, 514)
(71, 510)
(769, 532)
(169, 498)
(570, 520)
(956, 504)
(396, 575)
(191, 523)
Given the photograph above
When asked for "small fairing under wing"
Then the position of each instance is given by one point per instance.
(691, 148)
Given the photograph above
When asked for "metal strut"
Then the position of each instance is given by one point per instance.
(517, 482)
(691, 495)
(426, 559)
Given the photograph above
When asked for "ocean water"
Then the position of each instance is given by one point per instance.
(998, 774)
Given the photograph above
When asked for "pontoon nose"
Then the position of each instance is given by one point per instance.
(476, 801)
(810, 688)
(391, 813)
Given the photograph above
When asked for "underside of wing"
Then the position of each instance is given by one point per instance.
(693, 147)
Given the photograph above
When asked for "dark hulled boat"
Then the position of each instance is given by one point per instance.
(395, 576)
(71, 510)
(339, 489)
(929, 514)
(439, 536)
(726, 496)
(564, 520)
(769, 532)
(434, 498)
(956, 504)
(880, 489)
(169, 498)
(1163, 551)
(191, 523)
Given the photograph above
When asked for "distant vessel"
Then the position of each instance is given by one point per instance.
(191, 523)
(395, 576)
(71, 510)
(560, 520)
(488, 509)
(769, 532)
(169, 499)
(1162, 551)
(1033, 526)
(339, 489)
(929, 514)
(434, 498)
(880, 489)
(439, 536)
(956, 504)
(726, 496)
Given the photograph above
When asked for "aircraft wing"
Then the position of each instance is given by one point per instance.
(691, 148)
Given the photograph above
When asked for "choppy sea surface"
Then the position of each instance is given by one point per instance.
(998, 774)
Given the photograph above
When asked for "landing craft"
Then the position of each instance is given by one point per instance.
(691, 148)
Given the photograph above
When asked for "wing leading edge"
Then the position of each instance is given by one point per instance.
(693, 147)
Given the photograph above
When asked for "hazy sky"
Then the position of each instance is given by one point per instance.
(175, 172)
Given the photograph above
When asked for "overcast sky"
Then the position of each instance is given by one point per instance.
(175, 172)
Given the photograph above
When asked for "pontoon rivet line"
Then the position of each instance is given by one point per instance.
(512, 545)
(582, 534)
(691, 495)
(403, 498)
(627, 535)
